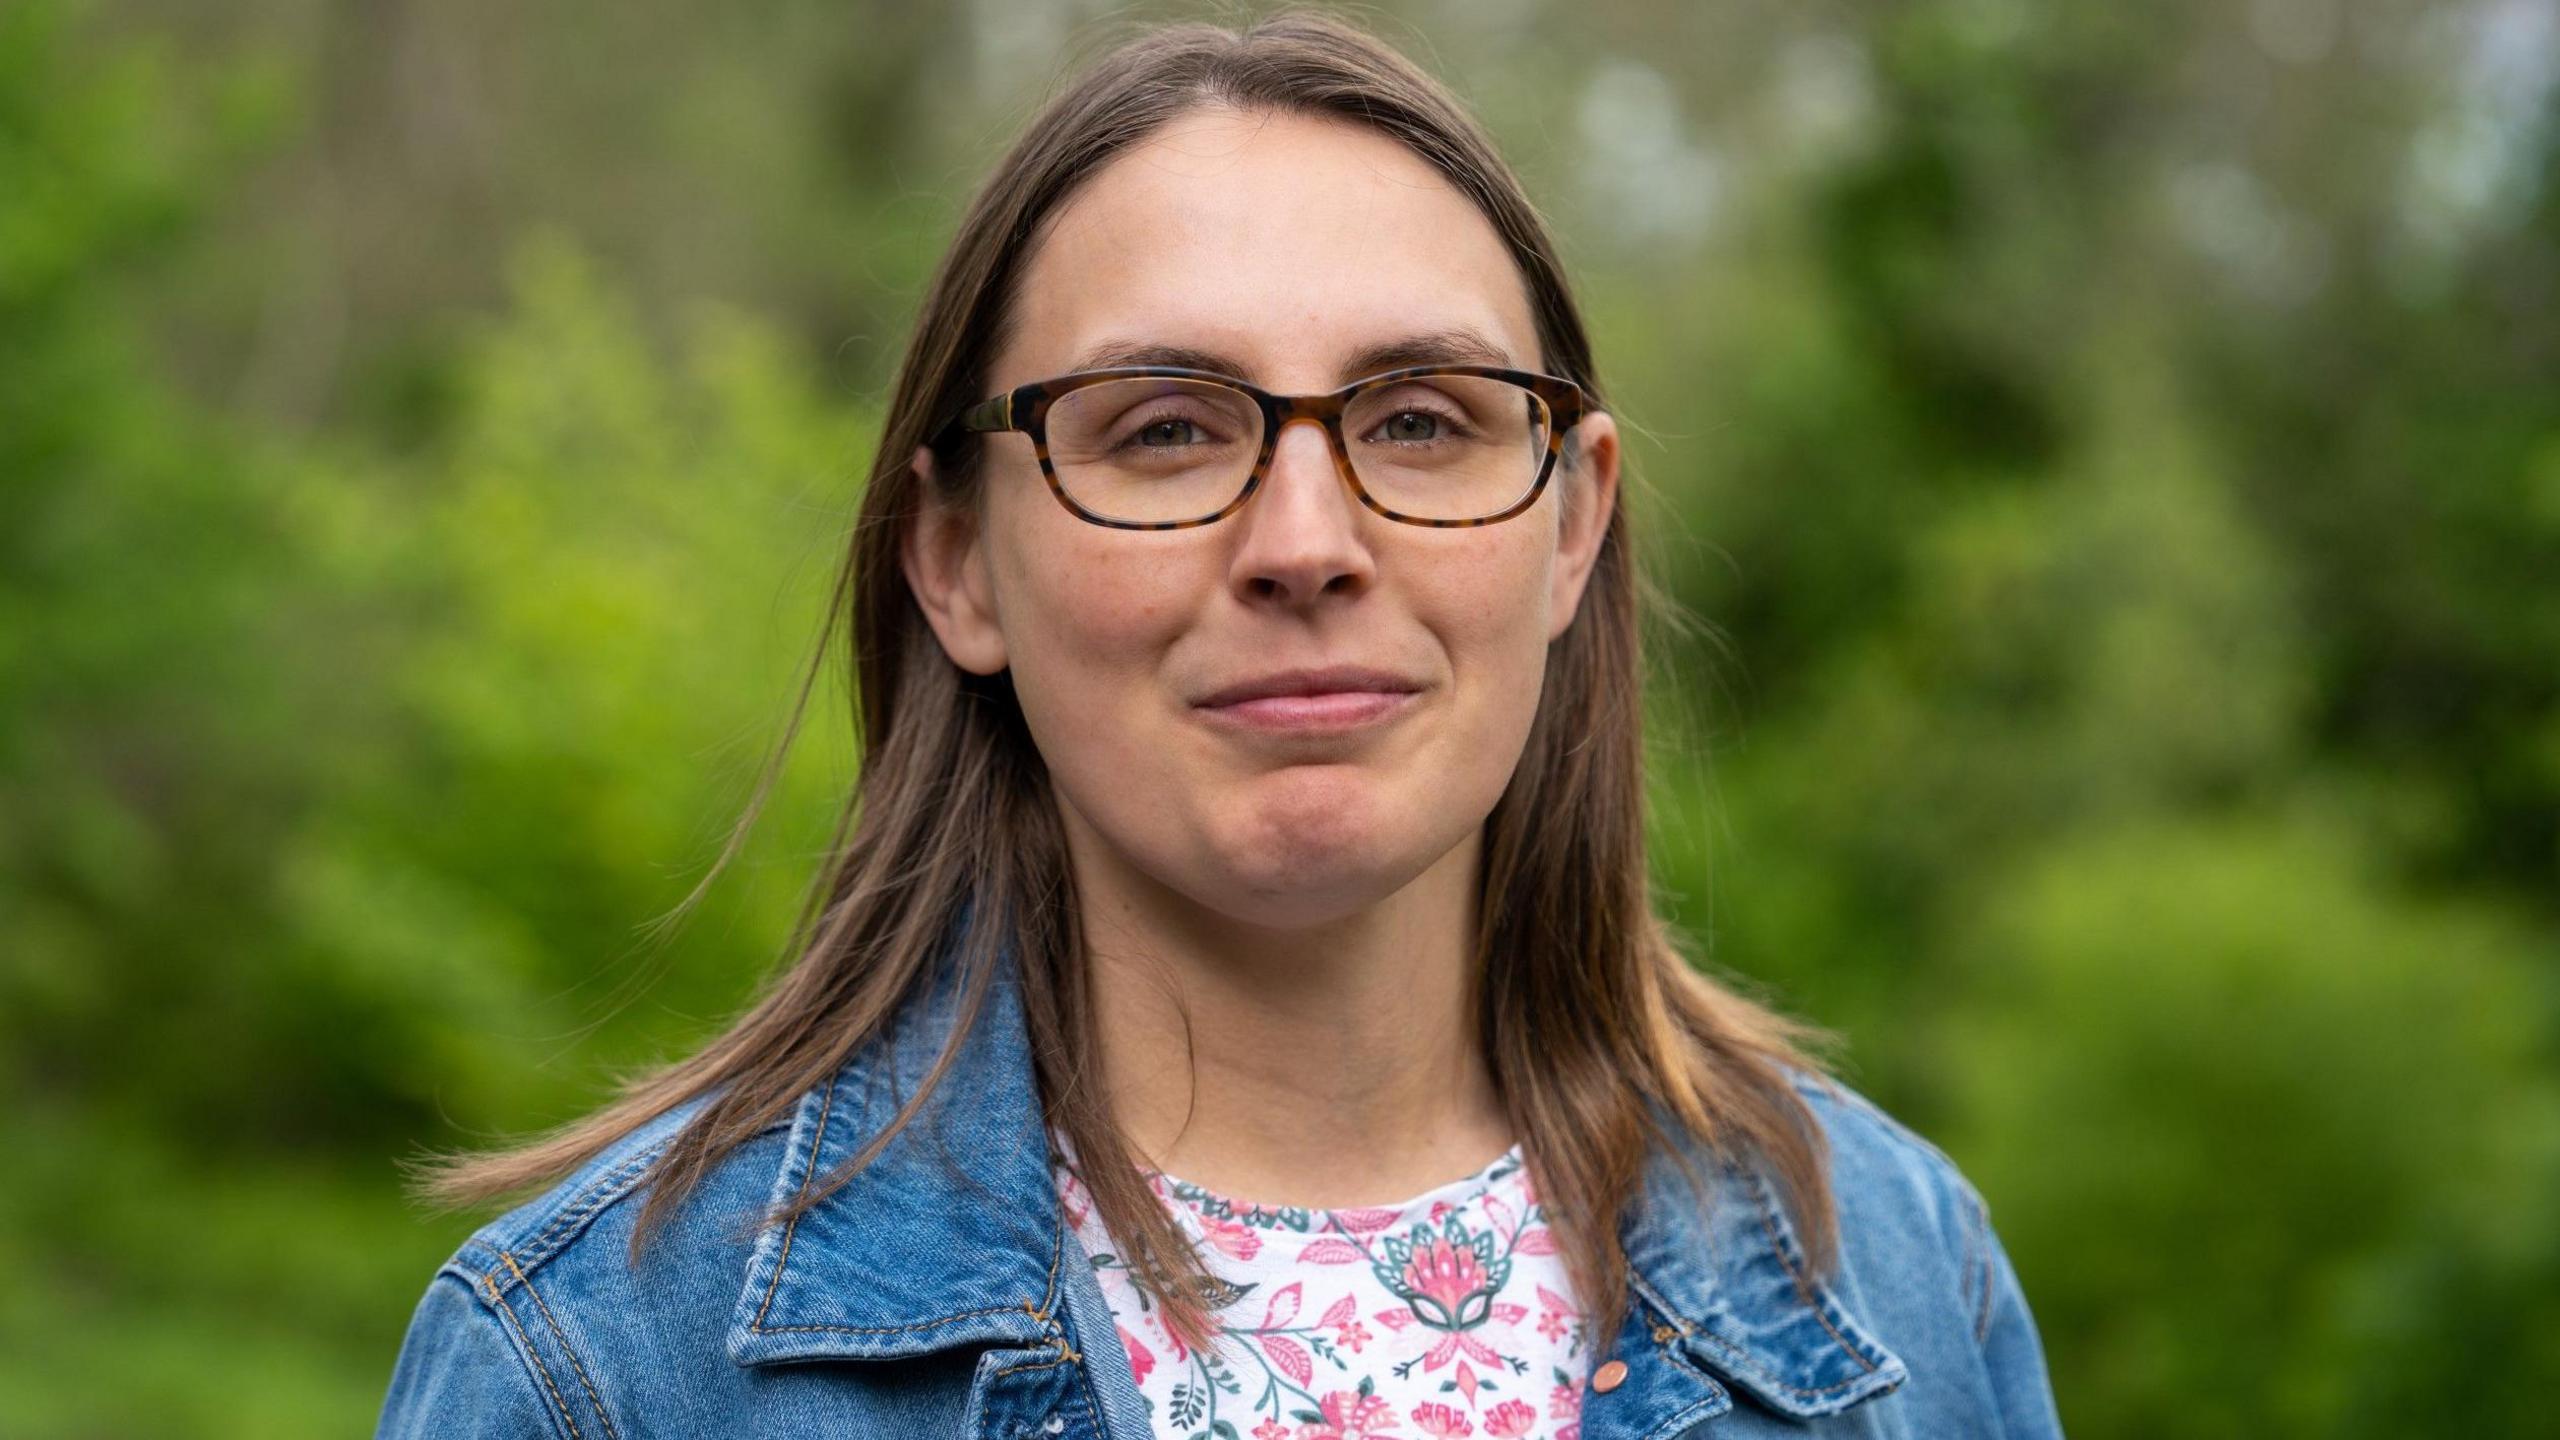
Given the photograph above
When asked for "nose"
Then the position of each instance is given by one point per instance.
(1302, 530)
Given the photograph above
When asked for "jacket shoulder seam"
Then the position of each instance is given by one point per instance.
(524, 1346)
(583, 1207)
(572, 1214)
(558, 1421)
(560, 1337)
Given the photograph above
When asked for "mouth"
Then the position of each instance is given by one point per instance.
(1329, 700)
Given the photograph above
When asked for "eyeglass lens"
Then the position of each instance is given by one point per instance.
(1435, 447)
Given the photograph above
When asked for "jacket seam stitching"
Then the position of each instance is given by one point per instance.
(781, 1262)
(1673, 1423)
(561, 1406)
(1046, 1312)
(1049, 1305)
(1739, 1358)
(606, 1189)
(613, 1186)
(817, 1148)
(1092, 1412)
(1054, 1304)
(1066, 1356)
(1734, 1356)
(1679, 1420)
(763, 1329)
(1778, 1246)
(584, 1382)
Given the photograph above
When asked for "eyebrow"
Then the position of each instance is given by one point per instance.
(1456, 346)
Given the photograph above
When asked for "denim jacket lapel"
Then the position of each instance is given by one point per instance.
(953, 1237)
(1716, 1299)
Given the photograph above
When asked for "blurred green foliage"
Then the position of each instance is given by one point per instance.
(2116, 450)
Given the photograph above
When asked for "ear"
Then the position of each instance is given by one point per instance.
(945, 559)
(1590, 496)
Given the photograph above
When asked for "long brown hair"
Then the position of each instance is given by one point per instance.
(1590, 1012)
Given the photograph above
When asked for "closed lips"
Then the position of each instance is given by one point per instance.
(1329, 681)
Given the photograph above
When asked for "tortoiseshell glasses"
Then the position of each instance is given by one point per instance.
(1152, 447)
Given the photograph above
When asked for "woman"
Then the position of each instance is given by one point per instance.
(1236, 1007)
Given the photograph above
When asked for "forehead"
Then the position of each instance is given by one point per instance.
(1290, 244)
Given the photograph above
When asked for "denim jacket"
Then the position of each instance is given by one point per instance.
(940, 1293)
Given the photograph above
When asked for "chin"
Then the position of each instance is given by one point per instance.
(1315, 857)
(1297, 901)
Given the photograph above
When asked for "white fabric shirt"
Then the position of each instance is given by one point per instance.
(1448, 1315)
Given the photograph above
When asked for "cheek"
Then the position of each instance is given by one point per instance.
(1087, 624)
(1492, 617)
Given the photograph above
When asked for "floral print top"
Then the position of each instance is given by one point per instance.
(1448, 1315)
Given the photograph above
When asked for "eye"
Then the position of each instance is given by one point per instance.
(1419, 426)
(1172, 430)
(1412, 426)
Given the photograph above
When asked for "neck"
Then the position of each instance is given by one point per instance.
(1335, 1064)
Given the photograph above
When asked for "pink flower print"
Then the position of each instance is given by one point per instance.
(1232, 1239)
(1509, 1420)
(1284, 1306)
(1564, 1403)
(1290, 1358)
(1555, 1313)
(1342, 1317)
(1141, 1360)
(1271, 1430)
(1446, 1275)
(1350, 1415)
(1443, 1422)
(1459, 1342)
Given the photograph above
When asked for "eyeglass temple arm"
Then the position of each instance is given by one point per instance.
(994, 413)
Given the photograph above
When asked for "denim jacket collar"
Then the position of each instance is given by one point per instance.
(953, 1237)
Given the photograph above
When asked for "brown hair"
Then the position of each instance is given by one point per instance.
(1591, 1014)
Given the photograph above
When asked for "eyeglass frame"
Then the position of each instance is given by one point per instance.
(1025, 409)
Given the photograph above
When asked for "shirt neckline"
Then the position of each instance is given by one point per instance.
(1288, 1228)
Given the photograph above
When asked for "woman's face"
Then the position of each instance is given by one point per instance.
(1287, 247)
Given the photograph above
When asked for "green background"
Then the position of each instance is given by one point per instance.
(2113, 452)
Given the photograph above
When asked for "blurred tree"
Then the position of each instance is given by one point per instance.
(2291, 1095)
(337, 784)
